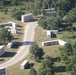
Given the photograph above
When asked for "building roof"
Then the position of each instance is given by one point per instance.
(24, 62)
(27, 14)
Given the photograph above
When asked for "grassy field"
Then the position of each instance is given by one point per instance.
(50, 50)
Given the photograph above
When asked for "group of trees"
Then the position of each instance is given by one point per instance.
(5, 36)
(65, 13)
(16, 13)
(52, 23)
(68, 55)
(45, 67)
(63, 5)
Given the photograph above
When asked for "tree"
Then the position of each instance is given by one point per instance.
(33, 72)
(16, 13)
(42, 22)
(46, 65)
(53, 23)
(73, 72)
(47, 62)
(35, 51)
(45, 71)
(5, 36)
(69, 66)
(14, 2)
(71, 16)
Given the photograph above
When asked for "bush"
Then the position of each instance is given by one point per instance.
(16, 13)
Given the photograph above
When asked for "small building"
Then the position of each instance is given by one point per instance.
(24, 64)
(27, 17)
(2, 51)
(9, 45)
(53, 42)
(2, 71)
(52, 33)
(49, 12)
(49, 43)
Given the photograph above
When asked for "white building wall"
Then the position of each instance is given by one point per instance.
(9, 45)
(2, 51)
(26, 18)
(62, 42)
(53, 42)
(24, 64)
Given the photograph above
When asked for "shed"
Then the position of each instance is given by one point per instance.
(49, 12)
(9, 45)
(24, 64)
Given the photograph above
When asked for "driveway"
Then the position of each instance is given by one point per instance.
(28, 39)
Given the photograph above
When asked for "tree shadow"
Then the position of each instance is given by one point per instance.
(56, 59)
(8, 54)
(19, 29)
(19, 26)
(15, 38)
(64, 27)
(59, 69)
(30, 65)
(19, 32)
(27, 43)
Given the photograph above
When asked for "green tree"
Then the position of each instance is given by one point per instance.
(16, 13)
(46, 65)
(35, 51)
(73, 72)
(5, 36)
(45, 71)
(71, 16)
(42, 22)
(69, 67)
(14, 2)
(33, 72)
(53, 23)
(47, 62)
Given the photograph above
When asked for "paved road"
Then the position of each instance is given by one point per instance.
(24, 50)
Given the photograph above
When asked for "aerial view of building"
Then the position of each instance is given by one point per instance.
(37, 37)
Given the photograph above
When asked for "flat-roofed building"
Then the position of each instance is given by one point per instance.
(9, 45)
(27, 17)
(53, 42)
(52, 33)
(24, 64)
(2, 51)
(49, 12)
